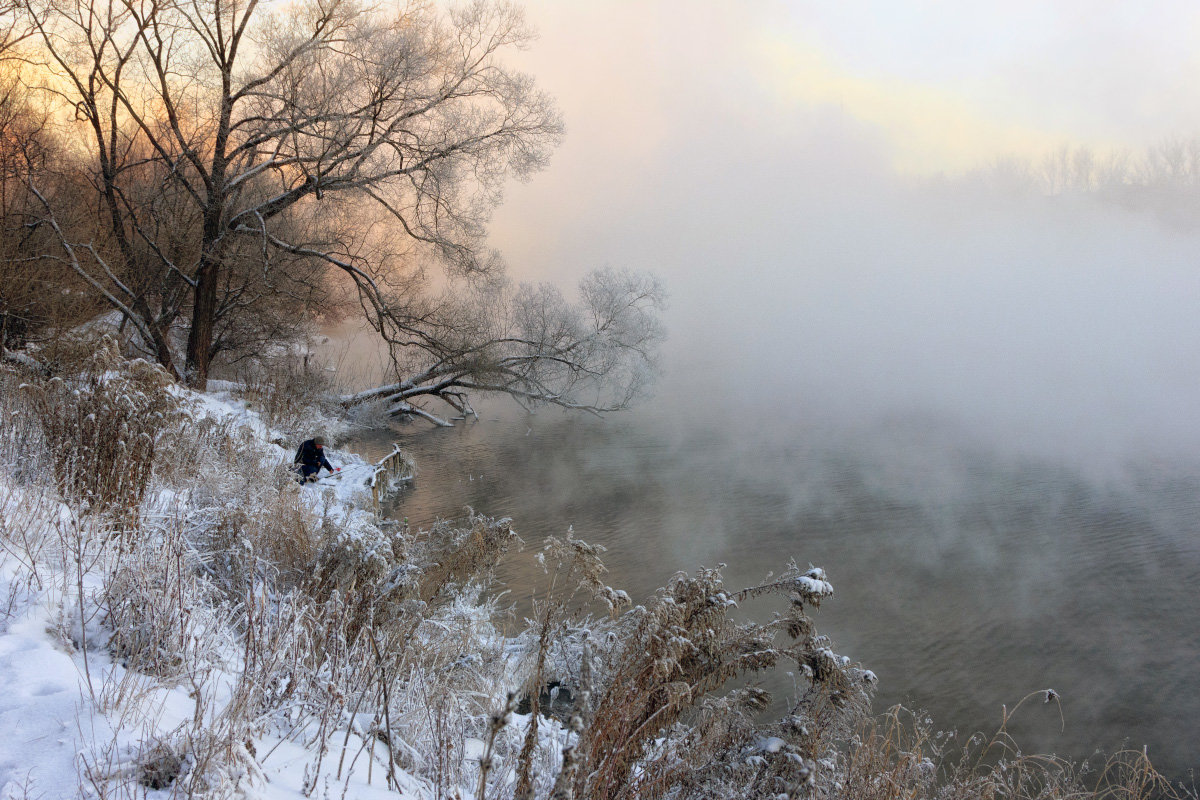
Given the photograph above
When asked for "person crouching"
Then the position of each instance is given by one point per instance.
(311, 457)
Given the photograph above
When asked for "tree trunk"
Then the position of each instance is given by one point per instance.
(204, 313)
(159, 335)
(162, 350)
(204, 309)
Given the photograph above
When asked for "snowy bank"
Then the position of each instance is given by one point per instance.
(183, 618)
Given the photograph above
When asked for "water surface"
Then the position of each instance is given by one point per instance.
(964, 579)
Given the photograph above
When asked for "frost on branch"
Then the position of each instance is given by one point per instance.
(532, 344)
(665, 717)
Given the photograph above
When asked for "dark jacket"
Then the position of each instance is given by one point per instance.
(311, 456)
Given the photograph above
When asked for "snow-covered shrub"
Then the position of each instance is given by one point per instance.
(455, 557)
(291, 394)
(197, 449)
(235, 463)
(399, 656)
(655, 726)
(286, 533)
(242, 506)
(73, 354)
(103, 427)
(163, 616)
(365, 563)
(24, 456)
(557, 655)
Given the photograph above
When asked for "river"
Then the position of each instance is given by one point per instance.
(964, 578)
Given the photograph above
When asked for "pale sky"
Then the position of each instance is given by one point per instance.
(946, 83)
(1102, 72)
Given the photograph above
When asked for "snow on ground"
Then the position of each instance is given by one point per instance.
(56, 741)
(350, 486)
(287, 766)
(53, 735)
(40, 709)
(72, 719)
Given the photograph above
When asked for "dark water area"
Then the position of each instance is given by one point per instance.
(965, 579)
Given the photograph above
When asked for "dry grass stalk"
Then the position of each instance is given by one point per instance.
(896, 756)
(672, 656)
(460, 556)
(289, 392)
(103, 428)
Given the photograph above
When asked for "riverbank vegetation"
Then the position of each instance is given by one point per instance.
(232, 633)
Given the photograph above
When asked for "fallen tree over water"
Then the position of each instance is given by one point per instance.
(529, 343)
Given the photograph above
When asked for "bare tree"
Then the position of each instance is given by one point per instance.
(37, 299)
(530, 343)
(1163, 179)
(255, 120)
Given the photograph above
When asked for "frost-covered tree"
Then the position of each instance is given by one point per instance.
(530, 343)
(367, 140)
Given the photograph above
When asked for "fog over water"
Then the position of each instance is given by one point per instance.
(979, 416)
(975, 405)
(964, 579)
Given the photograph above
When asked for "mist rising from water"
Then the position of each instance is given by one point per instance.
(815, 284)
(810, 279)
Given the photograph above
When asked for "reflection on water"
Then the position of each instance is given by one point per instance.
(965, 581)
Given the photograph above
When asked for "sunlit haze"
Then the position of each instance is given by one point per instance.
(794, 172)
